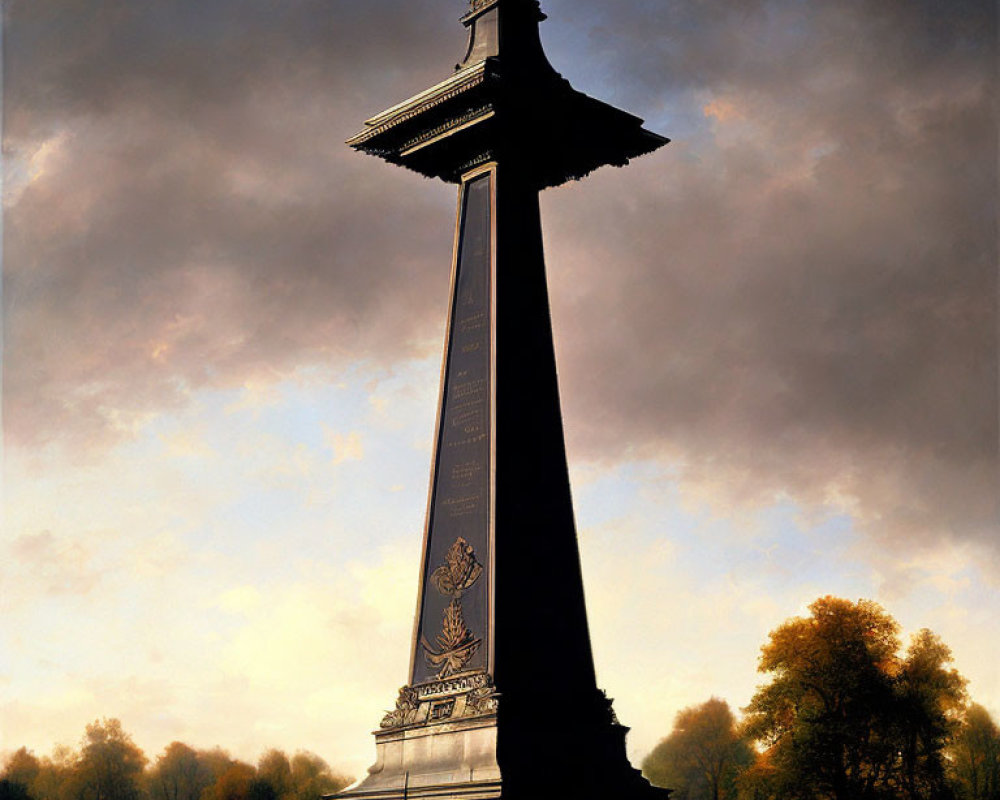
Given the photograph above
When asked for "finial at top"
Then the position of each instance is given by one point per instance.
(518, 19)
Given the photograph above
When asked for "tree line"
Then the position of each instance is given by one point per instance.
(110, 766)
(846, 716)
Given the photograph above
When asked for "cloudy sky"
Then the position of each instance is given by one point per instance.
(777, 342)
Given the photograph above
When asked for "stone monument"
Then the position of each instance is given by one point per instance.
(502, 699)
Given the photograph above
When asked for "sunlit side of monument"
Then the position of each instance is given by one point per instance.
(502, 699)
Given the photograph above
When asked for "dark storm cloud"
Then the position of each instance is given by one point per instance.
(796, 298)
(804, 306)
(192, 216)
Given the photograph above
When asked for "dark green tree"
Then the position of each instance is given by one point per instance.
(260, 789)
(974, 756)
(930, 698)
(702, 756)
(13, 790)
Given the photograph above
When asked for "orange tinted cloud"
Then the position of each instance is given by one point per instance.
(723, 109)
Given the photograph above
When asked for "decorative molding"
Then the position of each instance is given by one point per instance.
(415, 106)
(476, 9)
(465, 696)
(482, 158)
(459, 685)
(473, 115)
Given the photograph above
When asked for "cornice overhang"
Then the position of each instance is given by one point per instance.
(556, 132)
(418, 106)
(512, 106)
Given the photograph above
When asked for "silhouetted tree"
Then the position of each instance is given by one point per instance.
(22, 768)
(13, 790)
(216, 762)
(761, 781)
(179, 774)
(701, 758)
(110, 767)
(274, 769)
(930, 699)
(261, 789)
(233, 783)
(110, 764)
(312, 777)
(975, 756)
(56, 778)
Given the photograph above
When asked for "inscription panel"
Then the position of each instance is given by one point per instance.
(452, 634)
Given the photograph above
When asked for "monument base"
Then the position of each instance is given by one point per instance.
(433, 761)
(447, 740)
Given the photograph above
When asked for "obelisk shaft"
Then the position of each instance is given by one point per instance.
(502, 700)
(500, 494)
(541, 622)
(453, 630)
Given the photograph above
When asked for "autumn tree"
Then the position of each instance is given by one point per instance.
(40, 779)
(57, 776)
(180, 773)
(701, 757)
(312, 777)
(275, 770)
(929, 700)
(234, 783)
(216, 762)
(761, 780)
(19, 773)
(110, 765)
(823, 714)
(844, 716)
(975, 756)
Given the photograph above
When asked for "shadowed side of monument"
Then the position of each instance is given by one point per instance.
(556, 729)
(502, 699)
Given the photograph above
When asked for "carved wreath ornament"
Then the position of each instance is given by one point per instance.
(459, 572)
(456, 644)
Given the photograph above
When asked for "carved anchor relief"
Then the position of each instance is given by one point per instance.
(456, 643)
